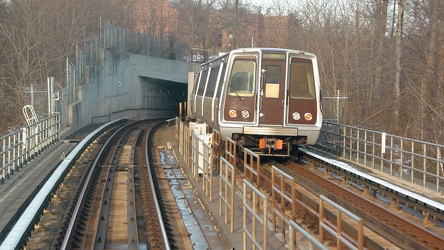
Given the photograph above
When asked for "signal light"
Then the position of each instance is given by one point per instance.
(232, 113)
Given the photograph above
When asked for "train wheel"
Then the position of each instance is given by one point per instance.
(295, 153)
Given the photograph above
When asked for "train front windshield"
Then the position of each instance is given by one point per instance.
(301, 79)
(242, 78)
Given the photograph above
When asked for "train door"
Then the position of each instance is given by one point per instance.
(272, 94)
(302, 105)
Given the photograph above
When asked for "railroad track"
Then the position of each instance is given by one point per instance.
(388, 223)
(105, 202)
(108, 200)
(377, 206)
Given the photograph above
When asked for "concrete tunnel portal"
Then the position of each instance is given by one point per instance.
(164, 94)
(132, 86)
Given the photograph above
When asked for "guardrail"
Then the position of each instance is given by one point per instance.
(231, 151)
(257, 215)
(312, 243)
(227, 190)
(205, 164)
(336, 230)
(22, 146)
(278, 180)
(412, 160)
(375, 149)
(252, 167)
(17, 235)
(197, 156)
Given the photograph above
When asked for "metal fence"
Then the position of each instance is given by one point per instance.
(333, 106)
(255, 210)
(407, 159)
(336, 228)
(227, 191)
(91, 54)
(196, 154)
(20, 147)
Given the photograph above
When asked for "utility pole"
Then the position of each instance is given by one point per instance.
(339, 98)
(50, 82)
(235, 24)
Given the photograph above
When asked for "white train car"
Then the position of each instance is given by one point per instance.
(266, 99)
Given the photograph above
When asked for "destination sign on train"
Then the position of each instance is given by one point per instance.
(273, 56)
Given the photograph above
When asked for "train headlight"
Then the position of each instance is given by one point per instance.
(296, 116)
(232, 113)
(245, 114)
(308, 116)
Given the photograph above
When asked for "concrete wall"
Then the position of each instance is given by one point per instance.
(133, 86)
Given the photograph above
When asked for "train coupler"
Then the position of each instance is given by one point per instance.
(271, 143)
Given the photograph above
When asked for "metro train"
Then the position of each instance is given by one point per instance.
(266, 99)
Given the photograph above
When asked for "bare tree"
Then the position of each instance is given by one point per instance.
(154, 17)
(378, 44)
(198, 25)
(393, 77)
(398, 47)
(36, 38)
(427, 88)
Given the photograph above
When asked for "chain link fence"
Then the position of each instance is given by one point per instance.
(117, 39)
(120, 40)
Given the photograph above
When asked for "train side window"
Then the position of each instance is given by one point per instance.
(196, 82)
(219, 87)
(301, 79)
(203, 80)
(242, 78)
(212, 81)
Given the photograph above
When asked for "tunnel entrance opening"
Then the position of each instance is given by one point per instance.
(163, 94)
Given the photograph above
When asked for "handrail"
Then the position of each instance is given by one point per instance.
(21, 146)
(408, 159)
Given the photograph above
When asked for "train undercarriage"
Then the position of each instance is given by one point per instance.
(283, 146)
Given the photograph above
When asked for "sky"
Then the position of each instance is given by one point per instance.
(266, 2)
(259, 2)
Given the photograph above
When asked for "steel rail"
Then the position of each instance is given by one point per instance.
(133, 236)
(153, 188)
(70, 227)
(403, 231)
(26, 222)
(100, 238)
(426, 205)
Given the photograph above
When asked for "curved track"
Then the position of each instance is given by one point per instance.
(393, 225)
(114, 202)
(381, 219)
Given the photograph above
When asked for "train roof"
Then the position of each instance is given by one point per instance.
(268, 50)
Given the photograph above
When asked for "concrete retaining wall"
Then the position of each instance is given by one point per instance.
(129, 85)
